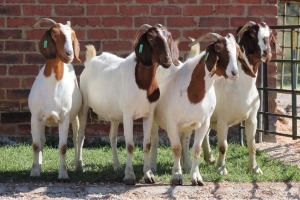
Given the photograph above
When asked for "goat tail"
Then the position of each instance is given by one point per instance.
(195, 49)
(90, 52)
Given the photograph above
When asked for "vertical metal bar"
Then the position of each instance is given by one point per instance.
(241, 135)
(265, 98)
(294, 85)
(260, 116)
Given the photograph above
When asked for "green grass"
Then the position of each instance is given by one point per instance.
(16, 161)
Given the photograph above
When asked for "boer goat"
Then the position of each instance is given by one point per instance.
(188, 98)
(55, 98)
(122, 90)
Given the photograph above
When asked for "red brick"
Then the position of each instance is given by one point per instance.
(229, 10)
(216, 1)
(270, 1)
(6, 130)
(9, 106)
(165, 10)
(102, 10)
(20, 22)
(215, 22)
(17, 94)
(117, 21)
(19, 1)
(27, 82)
(248, 1)
(240, 21)
(7, 58)
(134, 10)
(9, 83)
(102, 34)
(24, 106)
(10, 10)
(54, 1)
(116, 1)
(127, 34)
(85, 22)
(138, 21)
(197, 10)
(37, 10)
(2, 94)
(262, 11)
(2, 21)
(182, 1)
(15, 117)
(117, 46)
(69, 10)
(24, 70)
(195, 33)
(2, 70)
(33, 58)
(20, 46)
(149, 1)
(11, 34)
(24, 129)
(34, 34)
(181, 22)
(1, 45)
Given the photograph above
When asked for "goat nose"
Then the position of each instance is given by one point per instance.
(234, 72)
(68, 53)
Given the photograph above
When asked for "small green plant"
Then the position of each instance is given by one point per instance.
(16, 161)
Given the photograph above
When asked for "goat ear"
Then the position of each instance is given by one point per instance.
(246, 66)
(174, 52)
(47, 46)
(278, 50)
(76, 47)
(211, 60)
(143, 50)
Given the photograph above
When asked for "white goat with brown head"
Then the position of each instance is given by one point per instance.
(55, 98)
(188, 98)
(122, 90)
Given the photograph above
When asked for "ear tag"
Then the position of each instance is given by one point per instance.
(45, 44)
(141, 48)
(206, 56)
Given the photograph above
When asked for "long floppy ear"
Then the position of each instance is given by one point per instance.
(174, 52)
(143, 50)
(76, 47)
(246, 66)
(211, 60)
(47, 46)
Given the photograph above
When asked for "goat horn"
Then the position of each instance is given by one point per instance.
(44, 20)
(144, 27)
(178, 40)
(206, 36)
(245, 28)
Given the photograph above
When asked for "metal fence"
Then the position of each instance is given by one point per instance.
(291, 47)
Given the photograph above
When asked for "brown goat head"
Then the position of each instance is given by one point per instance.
(157, 45)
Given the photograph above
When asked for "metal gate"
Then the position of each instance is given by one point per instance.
(292, 47)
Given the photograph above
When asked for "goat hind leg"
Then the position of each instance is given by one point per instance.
(63, 136)
(222, 131)
(113, 143)
(208, 154)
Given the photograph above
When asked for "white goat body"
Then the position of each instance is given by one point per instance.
(55, 98)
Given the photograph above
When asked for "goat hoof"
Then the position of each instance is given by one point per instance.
(197, 182)
(129, 182)
(222, 170)
(176, 181)
(257, 170)
(149, 180)
(210, 160)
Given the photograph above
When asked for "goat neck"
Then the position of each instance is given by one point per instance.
(145, 79)
(201, 81)
(55, 66)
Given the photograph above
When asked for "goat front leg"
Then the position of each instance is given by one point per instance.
(63, 136)
(176, 150)
(113, 143)
(200, 133)
(38, 141)
(222, 131)
(147, 126)
(208, 154)
(154, 146)
(129, 178)
(250, 130)
(185, 138)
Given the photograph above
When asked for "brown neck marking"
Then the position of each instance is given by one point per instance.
(145, 79)
(55, 65)
(196, 88)
(254, 60)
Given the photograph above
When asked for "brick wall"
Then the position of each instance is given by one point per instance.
(110, 26)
